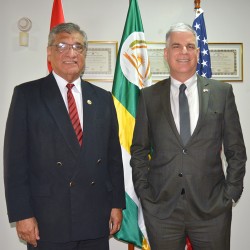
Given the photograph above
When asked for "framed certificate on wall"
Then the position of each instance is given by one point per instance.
(100, 61)
(158, 66)
(226, 61)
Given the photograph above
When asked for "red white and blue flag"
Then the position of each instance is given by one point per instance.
(204, 62)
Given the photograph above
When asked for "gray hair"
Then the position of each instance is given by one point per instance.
(68, 28)
(180, 27)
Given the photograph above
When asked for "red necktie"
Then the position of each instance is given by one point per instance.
(73, 114)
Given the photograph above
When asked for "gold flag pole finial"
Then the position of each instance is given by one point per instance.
(197, 6)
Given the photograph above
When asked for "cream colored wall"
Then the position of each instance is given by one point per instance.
(104, 20)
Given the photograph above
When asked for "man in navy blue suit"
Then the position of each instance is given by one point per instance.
(62, 194)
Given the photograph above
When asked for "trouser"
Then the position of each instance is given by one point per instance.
(93, 244)
(171, 233)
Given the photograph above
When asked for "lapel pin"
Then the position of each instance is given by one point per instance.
(89, 102)
(205, 90)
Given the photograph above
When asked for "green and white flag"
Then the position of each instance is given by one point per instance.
(131, 74)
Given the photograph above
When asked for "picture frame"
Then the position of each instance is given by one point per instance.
(226, 61)
(100, 61)
(158, 66)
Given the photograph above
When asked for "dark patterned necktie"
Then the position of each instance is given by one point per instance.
(73, 113)
(184, 115)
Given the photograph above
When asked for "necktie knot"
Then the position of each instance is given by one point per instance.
(182, 87)
(70, 86)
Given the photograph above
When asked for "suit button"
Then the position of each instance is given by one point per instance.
(92, 183)
(180, 174)
(59, 164)
(184, 151)
(183, 191)
(99, 161)
(72, 184)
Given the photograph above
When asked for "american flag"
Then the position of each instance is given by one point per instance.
(204, 62)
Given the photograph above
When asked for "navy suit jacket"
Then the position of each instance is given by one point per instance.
(69, 189)
(196, 166)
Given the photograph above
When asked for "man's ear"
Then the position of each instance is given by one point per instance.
(166, 54)
(198, 54)
(48, 53)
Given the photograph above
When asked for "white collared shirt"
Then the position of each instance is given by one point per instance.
(77, 93)
(193, 101)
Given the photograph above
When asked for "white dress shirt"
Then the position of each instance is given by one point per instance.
(193, 101)
(77, 93)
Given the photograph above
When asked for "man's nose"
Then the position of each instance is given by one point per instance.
(71, 51)
(184, 50)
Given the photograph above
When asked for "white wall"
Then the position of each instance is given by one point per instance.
(104, 20)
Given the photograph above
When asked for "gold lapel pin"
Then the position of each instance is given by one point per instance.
(89, 102)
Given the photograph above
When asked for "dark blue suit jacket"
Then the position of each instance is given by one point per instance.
(69, 189)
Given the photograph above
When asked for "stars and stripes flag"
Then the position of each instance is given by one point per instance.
(132, 73)
(57, 17)
(204, 62)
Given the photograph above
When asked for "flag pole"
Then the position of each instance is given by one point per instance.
(131, 246)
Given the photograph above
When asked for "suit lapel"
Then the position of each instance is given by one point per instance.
(54, 101)
(165, 100)
(90, 102)
(204, 95)
(90, 106)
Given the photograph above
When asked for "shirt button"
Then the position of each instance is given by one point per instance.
(92, 183)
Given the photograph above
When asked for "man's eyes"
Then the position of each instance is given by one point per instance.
(188, 47)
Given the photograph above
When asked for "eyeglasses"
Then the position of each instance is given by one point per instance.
(63, 47)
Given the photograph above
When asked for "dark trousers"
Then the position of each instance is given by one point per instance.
(95, 244)
(171, 233)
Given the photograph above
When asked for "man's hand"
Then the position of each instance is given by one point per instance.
(115, 220)
(27, 230)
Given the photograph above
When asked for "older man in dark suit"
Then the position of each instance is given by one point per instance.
(62, 159)
(182, 186)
